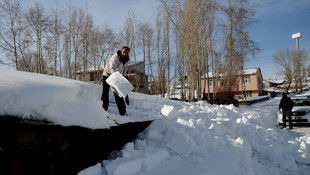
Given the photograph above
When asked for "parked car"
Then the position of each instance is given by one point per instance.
(300, 111)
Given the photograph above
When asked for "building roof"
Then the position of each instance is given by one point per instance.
(101, 66)
(246, 71)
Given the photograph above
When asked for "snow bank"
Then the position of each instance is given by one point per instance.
(93, 170)
(200, 138)
(58, 100)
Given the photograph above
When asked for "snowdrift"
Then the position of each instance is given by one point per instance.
(185, 138)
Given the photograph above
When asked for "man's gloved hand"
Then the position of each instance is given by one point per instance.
(127, 100)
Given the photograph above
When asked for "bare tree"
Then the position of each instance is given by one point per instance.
(10, 29)
(237, 39)
(68, 42)
(38, 22)
(103, 43)
(300, 60)
(166, 32)
(145, 39)
(161, 86)
(130, 40)
(191, 46)
(211, 8)
(284, 58)
(87, 31)
(56, 30)
(308, 71)
(76, 22)
(175, 12)
(67, 56)
(108, 43)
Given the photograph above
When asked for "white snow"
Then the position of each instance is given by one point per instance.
(120, 84)
(169, 112)
(185, 138)
(246, 71)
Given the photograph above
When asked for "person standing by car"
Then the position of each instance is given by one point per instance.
(118, 62)
(286, 104)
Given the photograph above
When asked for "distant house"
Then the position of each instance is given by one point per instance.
(136, 76)
(274, 87)
(273, 83)
(250, 84)
(93, 74)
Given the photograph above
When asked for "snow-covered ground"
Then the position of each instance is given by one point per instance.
(185, 138)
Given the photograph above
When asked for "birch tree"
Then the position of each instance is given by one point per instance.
(76, 22)
(161, 86)
(38, 22)
(87, 31)
(56, 30)
(130, 40)
(167, 50)
(10, 29)
(145, 38)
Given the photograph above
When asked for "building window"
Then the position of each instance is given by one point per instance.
(246, 80)
(248, 94)
(210, 82)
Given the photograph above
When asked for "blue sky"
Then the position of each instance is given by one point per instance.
(278, 20)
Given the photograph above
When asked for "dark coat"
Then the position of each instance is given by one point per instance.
(286, 104)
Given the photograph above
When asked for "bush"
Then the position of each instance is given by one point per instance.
(224, 98)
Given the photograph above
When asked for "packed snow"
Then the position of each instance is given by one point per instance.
(184, 138)
(121, 85)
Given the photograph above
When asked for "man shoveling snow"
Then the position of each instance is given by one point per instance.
(118, 64)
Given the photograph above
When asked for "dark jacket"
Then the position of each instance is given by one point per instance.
(286, 104)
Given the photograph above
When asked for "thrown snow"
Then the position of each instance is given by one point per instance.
(185, 138)
(120, 84)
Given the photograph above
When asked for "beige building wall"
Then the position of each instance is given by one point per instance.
(253, 85)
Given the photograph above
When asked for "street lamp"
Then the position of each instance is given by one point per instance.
(297, 36)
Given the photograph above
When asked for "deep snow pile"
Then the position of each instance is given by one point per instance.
(185, 138)
(208, 139)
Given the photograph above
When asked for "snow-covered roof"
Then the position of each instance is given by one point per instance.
(101, 66)
(93, 68)
(275, 81)
(247, 71)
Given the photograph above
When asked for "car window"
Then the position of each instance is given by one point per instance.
(301, 102)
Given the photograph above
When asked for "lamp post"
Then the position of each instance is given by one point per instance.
(297, 36)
